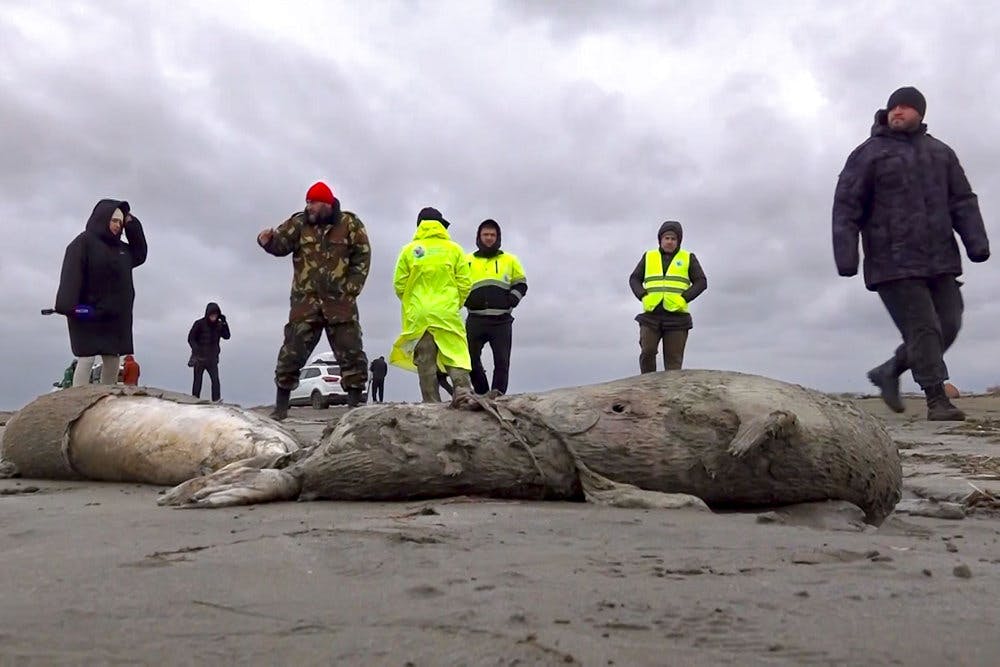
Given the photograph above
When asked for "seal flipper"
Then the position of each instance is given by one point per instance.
(756, 430)
(240, 483)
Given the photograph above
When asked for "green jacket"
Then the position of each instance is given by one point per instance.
(330, 265)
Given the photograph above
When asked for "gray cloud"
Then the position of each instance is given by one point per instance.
(579, 126)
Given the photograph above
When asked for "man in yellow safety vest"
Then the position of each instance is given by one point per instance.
(666, 280)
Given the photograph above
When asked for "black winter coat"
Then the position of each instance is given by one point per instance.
(97, 272)
(907, 195)
(204, 335)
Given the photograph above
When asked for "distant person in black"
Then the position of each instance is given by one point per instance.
(378, 371)
(204, 341)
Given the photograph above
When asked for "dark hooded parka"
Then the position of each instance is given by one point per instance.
(205, 334)
(97, 272)
(659, 318)
(906, 195)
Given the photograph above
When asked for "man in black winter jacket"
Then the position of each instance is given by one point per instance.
(906, 194)
(204, 341)
(666, 279)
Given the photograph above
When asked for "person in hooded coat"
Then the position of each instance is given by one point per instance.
(666, 279)
(432, 281)
(96, 293)
(204, 339)
(906, 195)
(498, 285)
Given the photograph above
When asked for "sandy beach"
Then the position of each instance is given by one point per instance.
(98, 574)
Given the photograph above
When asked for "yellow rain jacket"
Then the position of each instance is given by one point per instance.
(432, 280)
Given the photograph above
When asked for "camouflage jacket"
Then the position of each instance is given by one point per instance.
(330, 263)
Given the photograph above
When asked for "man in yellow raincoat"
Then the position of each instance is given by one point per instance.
(432, 280)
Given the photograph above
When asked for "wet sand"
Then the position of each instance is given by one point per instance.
(98, 574)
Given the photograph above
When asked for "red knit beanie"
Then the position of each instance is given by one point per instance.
(320, 192)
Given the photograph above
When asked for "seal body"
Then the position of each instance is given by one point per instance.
(112, 433)
(728, 439)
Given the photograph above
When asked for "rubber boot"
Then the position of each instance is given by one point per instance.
(429, 392)
(461, 380)
(939, 408)
(354, 398)
(281, 401)
(886, 378)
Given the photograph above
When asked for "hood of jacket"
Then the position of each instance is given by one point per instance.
(431, 229)
(212, 307)
(671, 226)
(880, 127)
(494, 250)
(100, 219)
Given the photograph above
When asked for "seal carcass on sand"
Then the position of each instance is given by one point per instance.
(130, 434)
(728, 439)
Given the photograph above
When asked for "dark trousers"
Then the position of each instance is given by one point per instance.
(674, 342)
(498, 333)
(378, 390)
(928, 313)
(213, 374)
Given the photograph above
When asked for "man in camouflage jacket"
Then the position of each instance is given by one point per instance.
(330, 256)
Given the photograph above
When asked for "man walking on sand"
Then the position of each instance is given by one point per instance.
(330, 259)
(906, 194)
(666, 280)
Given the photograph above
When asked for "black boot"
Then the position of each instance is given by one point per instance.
(939, 408)
(354, 398)
(886, 378)
(281, 404)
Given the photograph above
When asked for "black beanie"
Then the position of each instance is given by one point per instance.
(909, 96)
(429, 213)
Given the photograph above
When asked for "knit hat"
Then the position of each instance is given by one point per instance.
(429, 213)
(908, 96)
(321, 192)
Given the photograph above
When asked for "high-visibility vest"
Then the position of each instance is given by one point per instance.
(667, 286)
(498, 282)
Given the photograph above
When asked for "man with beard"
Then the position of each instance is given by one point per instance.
(330, 257)
(498, 285)
(666, 280)
(906, 194)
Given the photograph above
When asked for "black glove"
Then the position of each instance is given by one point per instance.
(979, 257)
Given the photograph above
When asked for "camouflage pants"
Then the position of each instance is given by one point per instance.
(425, 358)
(300, 341)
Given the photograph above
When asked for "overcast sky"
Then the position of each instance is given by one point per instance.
(579, 126)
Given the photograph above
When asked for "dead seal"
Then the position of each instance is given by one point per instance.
(657, 440)
(129, 434)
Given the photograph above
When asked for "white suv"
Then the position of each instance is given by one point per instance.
(319, 386)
